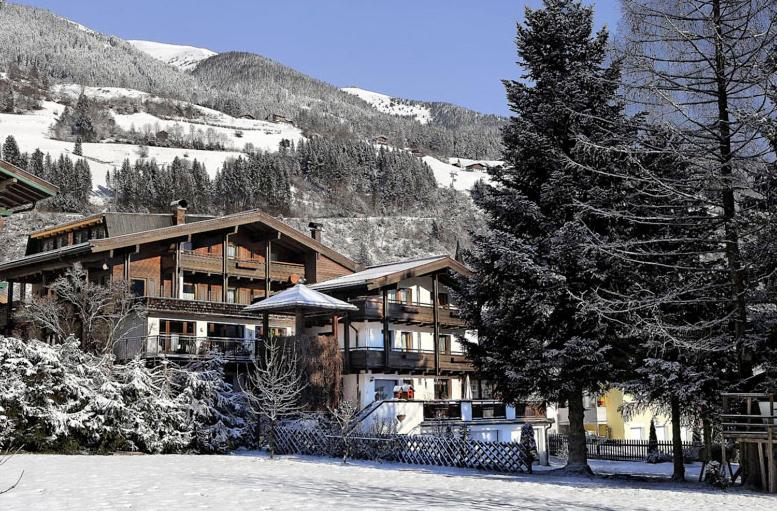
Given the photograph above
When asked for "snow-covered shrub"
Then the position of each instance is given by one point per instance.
(59, 398)
(714, 476)
(658, 457)
(216, 411)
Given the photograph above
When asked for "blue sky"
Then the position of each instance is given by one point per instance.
(446, 50)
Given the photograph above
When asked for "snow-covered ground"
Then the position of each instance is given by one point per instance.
(389, 105)
(32, 130)
(252, 481)
(183, 57)
(451, 175)
(464, 162)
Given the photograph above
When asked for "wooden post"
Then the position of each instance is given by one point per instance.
(436, 319)
(346, 343)
(177, 271)
(299, 322)
(266, 325)
(9, 309)
(386, 331)
(268, 269)
(126, 268)
(224, 267)
(770, 448)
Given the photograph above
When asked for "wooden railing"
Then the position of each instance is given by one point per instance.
(371, 307)
(408, 360)
(185, 347)
(280, 271)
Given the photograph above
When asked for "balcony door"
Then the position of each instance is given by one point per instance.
(177, 336)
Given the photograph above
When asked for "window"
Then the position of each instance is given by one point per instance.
(443, 299)
(406, 341)
(442, 389)
(188, 292)
(384, 389)
(187, 246)
(231, 251)
(231, 295)
(635, 433)
(80, 236)
(138, 287)
(444, 343)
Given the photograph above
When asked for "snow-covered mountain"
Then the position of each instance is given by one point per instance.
(183, 57)
(393, 106)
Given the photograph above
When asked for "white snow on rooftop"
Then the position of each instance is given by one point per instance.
(374, 272)
(450, 175)
(389, 105)
(183, 57)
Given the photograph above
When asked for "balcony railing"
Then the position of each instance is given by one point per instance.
(371, 307)
(185, 347)
(368, 357)
(252, 268)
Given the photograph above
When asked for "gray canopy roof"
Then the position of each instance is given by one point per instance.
(300, 298)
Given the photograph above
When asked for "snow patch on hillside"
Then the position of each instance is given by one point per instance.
(450, 175)
(32, 130)
(393, 106)
(183, 57)
(464, 162)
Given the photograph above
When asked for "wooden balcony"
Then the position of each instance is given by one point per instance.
(183, 306)
(185, 347)
(280, 271)
(371, 308)
(408, 361)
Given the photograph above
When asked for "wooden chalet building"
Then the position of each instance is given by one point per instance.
(402, 309)
(195, 273)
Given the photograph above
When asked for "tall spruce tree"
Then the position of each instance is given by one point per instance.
(531, 266)
(11, 152)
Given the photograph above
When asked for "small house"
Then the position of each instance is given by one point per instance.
(380, 140)
(476, 166)
(280, 119)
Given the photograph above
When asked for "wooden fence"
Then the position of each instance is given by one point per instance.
(615, 450)
(411, 449)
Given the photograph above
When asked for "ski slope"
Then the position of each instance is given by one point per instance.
(183, 57)
(393, 106)
(450, 175)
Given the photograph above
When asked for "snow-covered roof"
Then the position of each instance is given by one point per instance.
(376, 272)
(300, 297)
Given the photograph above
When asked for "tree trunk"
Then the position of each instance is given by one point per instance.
(732, 250)
(678, 472)
(578, 452)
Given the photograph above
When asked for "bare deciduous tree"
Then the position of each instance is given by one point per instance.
(7, 455)
(344, 422)
(275, 386)
(97, 314)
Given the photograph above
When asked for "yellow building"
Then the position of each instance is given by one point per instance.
(603, 418)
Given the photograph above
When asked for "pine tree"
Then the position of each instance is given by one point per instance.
(531, 267)
(11, 152)
(78, 149)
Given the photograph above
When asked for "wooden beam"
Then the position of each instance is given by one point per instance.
(386, 331)
(436, 319)
(126, 267)
(224, 267)
(346, 343)
(268, 269)
(5, 184)
(9, 309)
(177, 271)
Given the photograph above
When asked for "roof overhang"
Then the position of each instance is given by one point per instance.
(19, 188)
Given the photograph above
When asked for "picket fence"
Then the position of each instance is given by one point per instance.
(412, 449)
(616, 450)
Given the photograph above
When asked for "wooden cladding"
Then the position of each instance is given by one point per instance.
(371, 308)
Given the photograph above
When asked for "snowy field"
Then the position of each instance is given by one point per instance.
(251, 481)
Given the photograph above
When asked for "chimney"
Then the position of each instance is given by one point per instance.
(179, 211)
(315, 230)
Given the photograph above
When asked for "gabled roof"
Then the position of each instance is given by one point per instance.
(378, 276)
(300, 297)
(19, 187)
(213, 224)
(117, 224)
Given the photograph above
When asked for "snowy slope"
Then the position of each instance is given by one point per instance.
(464, 162)
(393, 106)
(450, 175)
(184, 58)
(32, 130)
